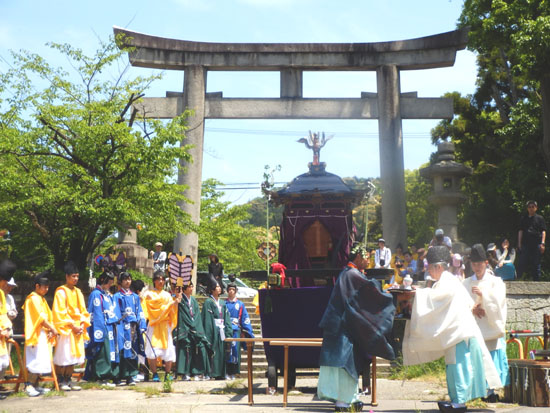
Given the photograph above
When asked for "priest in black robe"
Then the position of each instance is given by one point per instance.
(357, 323)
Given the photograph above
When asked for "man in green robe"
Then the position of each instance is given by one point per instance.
(191, 343)
(217, 326)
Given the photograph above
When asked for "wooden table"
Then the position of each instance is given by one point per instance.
(287, 343)
(292, 343)
(314, 342)
(249, 366)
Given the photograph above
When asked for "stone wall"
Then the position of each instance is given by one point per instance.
(527, 302)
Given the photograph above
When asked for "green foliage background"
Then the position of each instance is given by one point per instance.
(77, 163)
(224, 231)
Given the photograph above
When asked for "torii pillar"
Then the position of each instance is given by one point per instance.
(190, 173)
(392, 169)
(388, 105)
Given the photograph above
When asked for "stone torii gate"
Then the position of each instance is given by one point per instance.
(291, 60)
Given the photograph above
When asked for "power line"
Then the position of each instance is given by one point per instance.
(246, 183)
(221, 188)
(340, 135)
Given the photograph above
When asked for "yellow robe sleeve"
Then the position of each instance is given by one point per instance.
(159, 307)
(162, 315)
(61, 317)
(144, 308)
(85, 318)
(68, 310)
(36, 311)
(5, 322)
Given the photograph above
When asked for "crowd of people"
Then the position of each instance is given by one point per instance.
(124, 331)
(501, 256)
(125, 335)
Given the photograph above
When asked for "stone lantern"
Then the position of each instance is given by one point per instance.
(446, 175)
(137, 257)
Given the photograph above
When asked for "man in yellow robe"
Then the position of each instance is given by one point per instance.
(162, 312)
(7, 268)
(71, 319)
(40, 334)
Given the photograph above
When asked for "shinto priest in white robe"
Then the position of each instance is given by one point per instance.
(441, 318)
(493, 323)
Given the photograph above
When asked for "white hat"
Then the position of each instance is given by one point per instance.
(158, 244)
(457, 260)
(12, 282)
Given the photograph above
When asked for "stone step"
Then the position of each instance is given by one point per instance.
(256, 357)
(247, 301)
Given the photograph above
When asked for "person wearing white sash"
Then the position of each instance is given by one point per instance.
(489, 294)
(217, 326)
(442, 325)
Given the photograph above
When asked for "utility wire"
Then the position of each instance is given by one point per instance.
(364, 135)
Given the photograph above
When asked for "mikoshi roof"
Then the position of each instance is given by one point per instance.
(316, 182)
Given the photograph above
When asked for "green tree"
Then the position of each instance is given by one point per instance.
(257, 210)
(77, 162)
(512, 38)
(508, 167)
(500, 130)
(224, 231)
(373, 205)
(421, 213)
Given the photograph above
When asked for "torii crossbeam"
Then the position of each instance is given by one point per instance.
(388, 105)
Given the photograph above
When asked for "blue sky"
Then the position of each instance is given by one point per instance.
(237, 150)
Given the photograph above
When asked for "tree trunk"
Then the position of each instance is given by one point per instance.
(76, 254)
(59, 261)
(545, 92)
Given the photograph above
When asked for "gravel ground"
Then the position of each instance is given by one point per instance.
(220, 397)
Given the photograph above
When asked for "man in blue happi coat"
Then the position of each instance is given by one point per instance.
(240, 322)
(102, 349)
(357, 324)
(130, 330)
